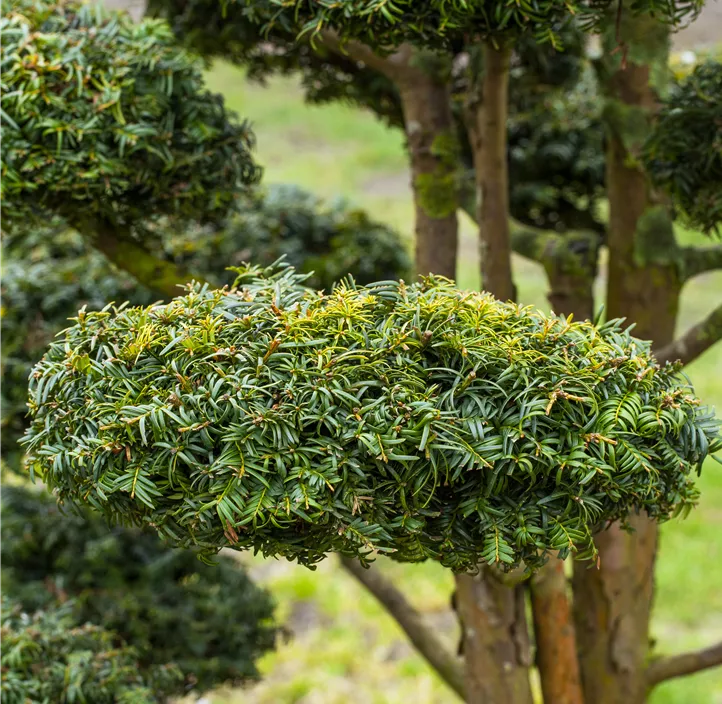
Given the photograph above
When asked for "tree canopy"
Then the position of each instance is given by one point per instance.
(413, 419)
(105, 119)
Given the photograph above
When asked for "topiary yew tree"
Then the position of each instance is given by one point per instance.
(496, 642)
(415, 420)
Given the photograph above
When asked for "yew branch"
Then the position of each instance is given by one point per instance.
(412, 622)
(695, 341)
(667, 668)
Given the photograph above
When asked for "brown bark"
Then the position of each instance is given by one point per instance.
(571, 292)
(489, 142)
(612, 604)
(663, 669)
(496, 646)
(556, 648)
(429, 132)
(694, 342)
(420, 634)
(420, 77)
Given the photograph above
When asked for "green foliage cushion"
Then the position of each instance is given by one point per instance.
(49, 273)
(49, 657)
(107, 119)
(211, 621)
(418, 420)
(683, 155)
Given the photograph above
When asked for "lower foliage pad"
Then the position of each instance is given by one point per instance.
(417, 420)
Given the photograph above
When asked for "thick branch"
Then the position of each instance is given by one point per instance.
(696, 341)
(120, 248)
(663, 669)
(392, 66)
(423, 637)
(699, 260)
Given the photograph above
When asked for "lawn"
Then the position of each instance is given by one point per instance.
(344, 648)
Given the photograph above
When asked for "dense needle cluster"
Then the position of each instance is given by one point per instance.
(107, 119)
(417, 420)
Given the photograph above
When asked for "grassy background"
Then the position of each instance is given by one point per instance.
(344, 648)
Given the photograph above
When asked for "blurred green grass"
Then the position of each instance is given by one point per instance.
(346, 648)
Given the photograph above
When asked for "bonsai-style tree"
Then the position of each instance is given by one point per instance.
(646, 277)
(417, 40)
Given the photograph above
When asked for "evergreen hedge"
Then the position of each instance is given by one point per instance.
(418, 420)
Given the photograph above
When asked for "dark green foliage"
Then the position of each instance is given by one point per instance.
(444, 23)
(331, 240)
(209, 620)
(49, 274)
(556, 160)
(418, 420)
(683, 155)
(49, 657)
(107, 119)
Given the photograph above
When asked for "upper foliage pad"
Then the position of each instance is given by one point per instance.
(419, 420)
(104, 118)
(683, 155)
(441, 23)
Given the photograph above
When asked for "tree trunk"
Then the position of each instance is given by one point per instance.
(489, 142)
(496, 647)
(495, 634)
(433, 155)
(612, 604)
(556, 645)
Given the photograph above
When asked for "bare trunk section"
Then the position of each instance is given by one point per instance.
(495, 639)
(612, 604)
(489, 142)
(432, 153)
(571, 273)
(556, 645)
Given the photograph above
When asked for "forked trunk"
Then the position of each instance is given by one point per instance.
(613, 603)
(433, 155)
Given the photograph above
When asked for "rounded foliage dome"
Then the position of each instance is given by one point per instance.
(417, 420)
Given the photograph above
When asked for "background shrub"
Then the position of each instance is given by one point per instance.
(211, 621)
(49, 657)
